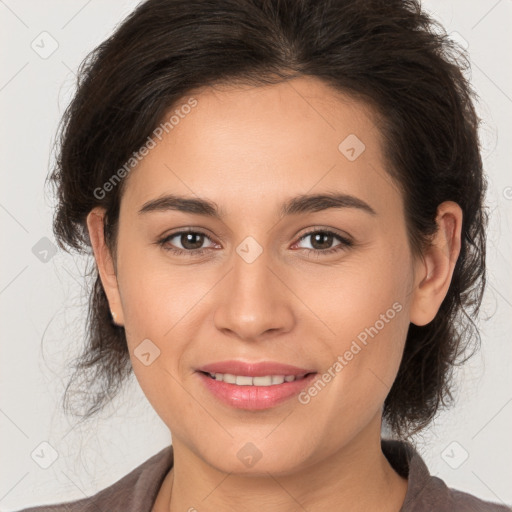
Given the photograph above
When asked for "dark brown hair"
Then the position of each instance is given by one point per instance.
(388, 53)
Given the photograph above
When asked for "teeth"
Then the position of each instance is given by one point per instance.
(243, 380)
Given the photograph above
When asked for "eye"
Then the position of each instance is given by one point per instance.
(191, 242)
(322, 240)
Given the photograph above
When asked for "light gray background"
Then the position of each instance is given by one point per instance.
(45, 301)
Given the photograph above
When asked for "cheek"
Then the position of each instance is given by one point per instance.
(152, 293)
(366, 306)
(161, 304)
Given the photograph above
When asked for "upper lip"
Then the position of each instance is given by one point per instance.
(254, 369)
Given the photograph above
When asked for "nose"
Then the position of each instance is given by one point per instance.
(254, 301)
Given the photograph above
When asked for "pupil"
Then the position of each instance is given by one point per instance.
(185, 240)
(325, 245)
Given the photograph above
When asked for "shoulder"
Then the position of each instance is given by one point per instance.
(465, 501)
(426, 492)
(136, 491)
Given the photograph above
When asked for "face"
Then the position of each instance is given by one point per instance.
(325, 287)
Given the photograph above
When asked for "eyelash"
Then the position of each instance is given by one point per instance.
(345, 243)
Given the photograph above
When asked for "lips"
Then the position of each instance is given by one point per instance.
(254, 386)
(254, 397)
(254, 369)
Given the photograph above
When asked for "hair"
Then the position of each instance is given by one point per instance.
(389, 54)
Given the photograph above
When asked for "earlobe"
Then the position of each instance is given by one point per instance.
(104, 262)
(434, 272)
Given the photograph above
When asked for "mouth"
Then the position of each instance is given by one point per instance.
(254, 393)
(247, 380)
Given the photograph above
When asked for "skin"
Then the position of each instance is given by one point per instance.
(249, 149)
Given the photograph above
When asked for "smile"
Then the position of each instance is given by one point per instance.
(254, 393)
(245, 380)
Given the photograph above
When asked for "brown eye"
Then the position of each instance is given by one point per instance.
(322, 242)
(191, 243)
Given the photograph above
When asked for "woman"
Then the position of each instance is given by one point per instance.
(285, 201)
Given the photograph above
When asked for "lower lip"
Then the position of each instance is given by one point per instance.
(255, 397)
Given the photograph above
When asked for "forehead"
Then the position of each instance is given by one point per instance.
(247, 146)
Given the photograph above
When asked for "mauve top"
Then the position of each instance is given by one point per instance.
(137, 491)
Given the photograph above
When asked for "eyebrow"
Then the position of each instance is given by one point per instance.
(302, 204)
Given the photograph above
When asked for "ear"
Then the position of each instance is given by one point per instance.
(433, 274)
(105, 262)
